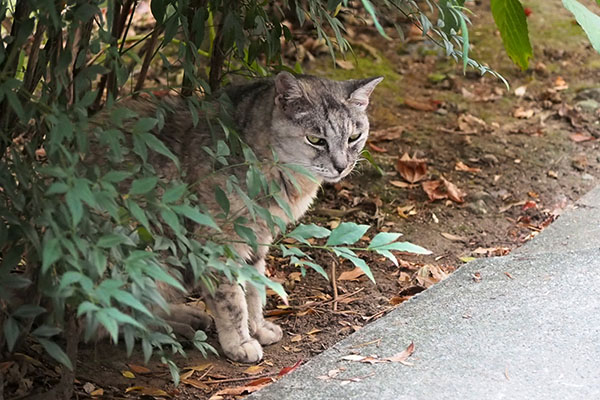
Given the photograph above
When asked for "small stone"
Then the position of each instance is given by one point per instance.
(480, 195)
(478, 207)
(588, 106)
(490, 158)
(587, 94)
(441, 111)
(587, 177)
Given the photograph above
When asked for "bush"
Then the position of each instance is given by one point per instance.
(88, 241)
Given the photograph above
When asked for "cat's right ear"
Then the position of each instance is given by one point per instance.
(287, 88)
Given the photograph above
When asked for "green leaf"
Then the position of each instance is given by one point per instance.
(406, 247)
(138, 213)
(46, 331)
(156, 272)
(195, 215)
(56, 352)
(57, 188)
(111, 240)
(296, 262)
(116, 176)
(158, 146)
(143, 185)
(28, 311)
(589, 21)
(75, 206)
(174, 193)
(369, 157)
(511, 21)
(355, 259)
(222, 199)
(144, 125)
(346, 233)
(371, 10)
(51, 253)
(158, 8)
(171, 219)
(128, 299)
(303, 232)
(11, 332)
(109, 323)
(383, 238)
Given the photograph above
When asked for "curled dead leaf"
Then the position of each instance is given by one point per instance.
(523, 113)
(392, 133)
(421, 105)
(454, 193)
(411, 168)
(443, 189)
(470, 124)
(460, 166)
(580, 137)
(352, 275)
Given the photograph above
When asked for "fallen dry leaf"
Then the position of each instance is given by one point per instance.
(580, 137)
(344, 64)
(454, 193)
(403, 355)
(296, 338)
(460, 166)
(97, 392)
(195, 383)
(411, 168)
(128, 374)
(520, 91)
(138, 369)
(314, 331)
(432, 188)
(392, 133)
(199, 367)
(406, 211)
(287, 370)
(420, 105)
(560, 84)
(402, 184)
(454, 238)
(253, 369)
(469, 124)
(523, 113)
(376, 148)
(552, 174)
(148, 391)
(238, 391)
(352, 275)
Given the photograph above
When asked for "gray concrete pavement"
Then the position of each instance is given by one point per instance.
(529, 329)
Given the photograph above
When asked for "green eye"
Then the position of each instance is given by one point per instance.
(317, 141)
(354, 137)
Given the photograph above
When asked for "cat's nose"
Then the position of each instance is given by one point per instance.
(339, 168)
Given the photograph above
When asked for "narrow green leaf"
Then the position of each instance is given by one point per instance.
(143, 185)
(371, 10)
(116, 176)
(511, 21)
(110, 240)
(174, 193)
(56, 352)
(28, 311)
(195, 215)
(589, 21)
(383, 238)
(11, 332)
(51, 253)
(355, 259)
(405, 246)
(158, 146)
(347, 233)
(46, 331)
(128, 299)
(303, 232)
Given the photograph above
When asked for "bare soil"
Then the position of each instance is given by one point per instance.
(533, 153)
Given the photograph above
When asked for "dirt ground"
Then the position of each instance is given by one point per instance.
(516, 158)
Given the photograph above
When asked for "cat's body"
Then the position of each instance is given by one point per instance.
(319, 124)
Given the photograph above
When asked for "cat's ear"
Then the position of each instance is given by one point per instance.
(362, 90)
(287, 87)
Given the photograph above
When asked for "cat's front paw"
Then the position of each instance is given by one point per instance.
(249, 351)
(268, 333)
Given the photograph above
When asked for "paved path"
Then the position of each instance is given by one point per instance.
(529, 329)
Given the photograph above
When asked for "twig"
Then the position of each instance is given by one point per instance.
(334, 283)
(246, 378)
(147, 59)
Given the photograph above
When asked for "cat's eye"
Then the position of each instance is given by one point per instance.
(353, 138)
(317, 141)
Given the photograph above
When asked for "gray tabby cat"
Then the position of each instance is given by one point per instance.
(317, 123)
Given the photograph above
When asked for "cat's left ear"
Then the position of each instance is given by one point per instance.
(362, 90)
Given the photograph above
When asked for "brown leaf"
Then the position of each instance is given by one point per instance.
(412, 169)
(398, 299)
(406, 211)
(560, 84)
(523, 113)
(402, 184)
(253, 369)
(580, 137)
(403, 355)
(261, 381)
(419, 105)
(376, 148)
(97, 392)
(148, 391)
(138, 369)
(352, 275)
(392, 133)
(460, 166)
(469, 124)
(128, 374)
(239, 390)
(344, 64)
(432, 188)
(195, 383)
(287, 370)
(454, 238)
(454, 193)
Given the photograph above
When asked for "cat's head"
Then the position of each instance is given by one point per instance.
(321, 124)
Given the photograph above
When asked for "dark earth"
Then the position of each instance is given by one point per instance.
(523, 156)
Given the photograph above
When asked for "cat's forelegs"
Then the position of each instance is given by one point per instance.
(228, 306)
(264, 331)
